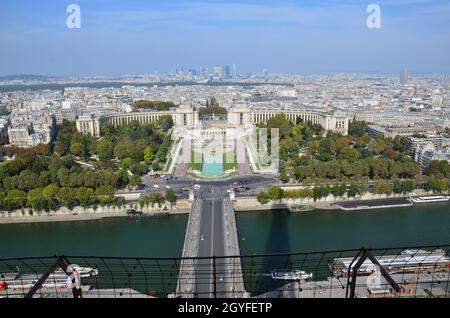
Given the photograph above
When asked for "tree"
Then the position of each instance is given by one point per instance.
(85, 196)
(357, 128)
(16, 197)
(348, 153)
(154, 104)
(353, 190)
(397, 186)
(280, 122)
(148, 154)
(339, 189)
(77, 149)
(380, 168)
(67, 197)
(126, 163)
(107, 190)
(284, 177)
(262, 198)
(439, 168)
(36, 200)
(105, 149)
(377, 146)
(437, 185)
(275, 193)
(166, 122)
(410, 169)
(347, 169)
(156, 198)
(135, 180)
(407, 186)
(304, 172)
(382, 187)
(321, 192)
(50, 192)
(170, 196)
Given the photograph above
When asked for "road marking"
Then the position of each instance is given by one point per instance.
(212, 245)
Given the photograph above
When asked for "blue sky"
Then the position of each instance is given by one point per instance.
(138, 37)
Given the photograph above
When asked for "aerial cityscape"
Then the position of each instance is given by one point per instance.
(225, 172)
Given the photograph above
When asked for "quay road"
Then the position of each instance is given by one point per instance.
(180, 185)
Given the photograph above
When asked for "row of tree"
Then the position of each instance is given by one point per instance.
(276, 193)
(158, 198)
(353, 189)
(209, 111)
(154, 105)
(51, 197)
(65, 177)
(381, 168)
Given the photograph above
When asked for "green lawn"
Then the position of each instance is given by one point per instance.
(229, 165)
(199, 161)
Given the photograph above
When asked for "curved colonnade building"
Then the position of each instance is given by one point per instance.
(187, 117)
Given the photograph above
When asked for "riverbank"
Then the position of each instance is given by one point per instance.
(49, 217)
(375, 204)
(367, 201)
(85, 214)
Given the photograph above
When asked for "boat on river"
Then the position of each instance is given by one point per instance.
(287, 274)
(434, 198)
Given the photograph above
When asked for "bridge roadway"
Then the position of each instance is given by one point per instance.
(211, 235)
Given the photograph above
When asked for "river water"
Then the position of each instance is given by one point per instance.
(106, 237)
(259, 233)
(281, 231)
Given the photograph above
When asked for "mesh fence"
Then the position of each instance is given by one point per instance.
(392, 272)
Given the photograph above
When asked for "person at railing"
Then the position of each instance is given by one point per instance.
(76, 281)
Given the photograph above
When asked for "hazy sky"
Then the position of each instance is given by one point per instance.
(137, 36)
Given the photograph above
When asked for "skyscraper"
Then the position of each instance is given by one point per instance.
(218, 73)
(227, 72)
(404, 76)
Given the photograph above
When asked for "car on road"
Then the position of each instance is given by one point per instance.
(156, 186)
(167, 186)
(202, 238)
(197, 186)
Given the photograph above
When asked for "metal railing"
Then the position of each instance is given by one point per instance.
(391, 272)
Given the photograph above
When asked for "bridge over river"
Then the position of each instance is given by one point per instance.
(211, 266)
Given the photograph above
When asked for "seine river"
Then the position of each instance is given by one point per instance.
(106, 237)
(281, 231)
(259, 233)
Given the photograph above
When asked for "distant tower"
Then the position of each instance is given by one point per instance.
(218, 73)
(234, 71)
(227, 71)
(404, 76)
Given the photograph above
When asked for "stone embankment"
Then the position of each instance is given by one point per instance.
(79, 213)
